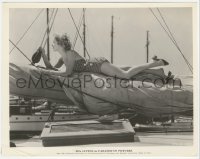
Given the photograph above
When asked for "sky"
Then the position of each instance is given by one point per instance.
(130, 26)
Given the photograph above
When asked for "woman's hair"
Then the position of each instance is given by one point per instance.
(63, 41)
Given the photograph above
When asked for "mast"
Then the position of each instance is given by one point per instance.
(147, 46)
(112, 34)
(48, 50)
(84, 34)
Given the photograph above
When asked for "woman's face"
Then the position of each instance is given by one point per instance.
(55, 45)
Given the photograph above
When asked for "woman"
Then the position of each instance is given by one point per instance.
(75, 63)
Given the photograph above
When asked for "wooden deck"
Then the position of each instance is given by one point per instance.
(141, 139)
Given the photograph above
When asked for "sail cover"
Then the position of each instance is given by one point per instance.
(148, 93)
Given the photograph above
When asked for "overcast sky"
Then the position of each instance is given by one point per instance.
(130, 26)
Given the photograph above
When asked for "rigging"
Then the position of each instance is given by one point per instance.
(171, 33)
(78, 31)
(79, 26)
(21, 52)
(27, 30)
(172, 39)
(46, 30)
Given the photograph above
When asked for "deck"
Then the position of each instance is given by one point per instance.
(141, 139)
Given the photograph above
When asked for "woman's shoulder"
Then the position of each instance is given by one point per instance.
(73, 52)
(76, 54)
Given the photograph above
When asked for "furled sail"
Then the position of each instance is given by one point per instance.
(148, 93)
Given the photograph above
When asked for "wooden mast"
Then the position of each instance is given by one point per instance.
(147, 46)
(112, 34)
(84, 34)
(48, 50)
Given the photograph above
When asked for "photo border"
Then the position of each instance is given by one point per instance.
(142, 151)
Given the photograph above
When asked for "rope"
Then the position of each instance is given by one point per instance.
(47, 28)
(21, 52)
(78, 31)
(171, 39)
(167, 26)
(51, 27)
(27, 30)
(171, 33)
(79, 26)
(189, 66)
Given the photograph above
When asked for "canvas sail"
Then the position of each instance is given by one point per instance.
(101, 94)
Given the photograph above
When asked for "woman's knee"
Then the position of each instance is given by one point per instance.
(123, 74)
(127, 75)
(113, 70)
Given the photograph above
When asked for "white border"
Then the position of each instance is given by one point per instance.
(21, 151)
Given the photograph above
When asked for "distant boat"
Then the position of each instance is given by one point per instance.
(25, 115)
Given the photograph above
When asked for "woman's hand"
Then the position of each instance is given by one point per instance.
(37, 55)
(45, 58)
(41, 49)
(56, 73)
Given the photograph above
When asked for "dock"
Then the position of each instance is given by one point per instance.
(140, 139)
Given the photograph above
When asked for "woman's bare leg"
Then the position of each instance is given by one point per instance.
(133, 71)
(112, 70)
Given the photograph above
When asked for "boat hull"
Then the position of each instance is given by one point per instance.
(36, 122)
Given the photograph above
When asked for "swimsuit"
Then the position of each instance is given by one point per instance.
(91, 65)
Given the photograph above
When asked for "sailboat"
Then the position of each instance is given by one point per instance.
(30, 114)
(150, 93)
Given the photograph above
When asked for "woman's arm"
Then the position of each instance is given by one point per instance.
(48, 73)
(59, 63)
(55, 73)
(45, 59)
(69, 63)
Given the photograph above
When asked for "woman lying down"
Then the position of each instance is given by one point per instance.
(76, 63)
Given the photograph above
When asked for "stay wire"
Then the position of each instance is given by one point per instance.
(170, 32)
(26, 30)
(171, 39)
(166, 25)
(78, 31)
(76, 35)
(50, 27)
(47, 28)
(21, 52)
